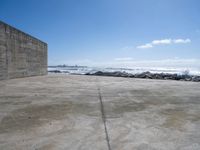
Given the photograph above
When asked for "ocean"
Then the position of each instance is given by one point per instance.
(86, 69)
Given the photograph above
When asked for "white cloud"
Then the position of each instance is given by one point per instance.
(123, 59)
(164, 42)
(148, 45)
(177, 41)
(159, 42)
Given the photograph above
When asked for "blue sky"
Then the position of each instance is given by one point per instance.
(111, 32)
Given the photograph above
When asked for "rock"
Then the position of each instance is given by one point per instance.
(158, 76)
(99, 73)
(142, 75)
(167, 78)
(65, 71)
(188, 79)
(149, 75)
(196, 78)
(114, 74)
(54, 71)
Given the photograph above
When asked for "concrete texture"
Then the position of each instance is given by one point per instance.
(60, 112)
(21, 55)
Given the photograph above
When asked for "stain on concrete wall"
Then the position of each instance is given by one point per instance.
(21, 55)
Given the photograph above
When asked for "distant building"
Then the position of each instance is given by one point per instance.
(21, 55)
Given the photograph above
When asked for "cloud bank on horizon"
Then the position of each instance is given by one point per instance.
(163, 42)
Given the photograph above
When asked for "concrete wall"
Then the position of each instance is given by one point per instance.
(21, 55)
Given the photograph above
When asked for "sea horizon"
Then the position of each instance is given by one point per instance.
(83, 69)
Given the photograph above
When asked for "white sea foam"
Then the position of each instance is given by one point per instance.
(84, 70)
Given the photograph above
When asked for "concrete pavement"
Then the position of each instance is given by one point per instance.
(98, 113)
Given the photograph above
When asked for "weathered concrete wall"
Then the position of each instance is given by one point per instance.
(21, 55)
(3, 63)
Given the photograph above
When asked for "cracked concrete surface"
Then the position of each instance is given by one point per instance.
(59, 112)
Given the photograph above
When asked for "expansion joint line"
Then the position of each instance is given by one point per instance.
(104, 118)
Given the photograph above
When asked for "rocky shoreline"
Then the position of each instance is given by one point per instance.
(144, 75)
(149, 75)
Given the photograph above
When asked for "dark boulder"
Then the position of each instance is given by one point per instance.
(54, 71)
(148, 75)
(196, 78)
(157, 76)
(143, 75)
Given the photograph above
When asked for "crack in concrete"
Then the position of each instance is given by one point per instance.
(104, 118)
